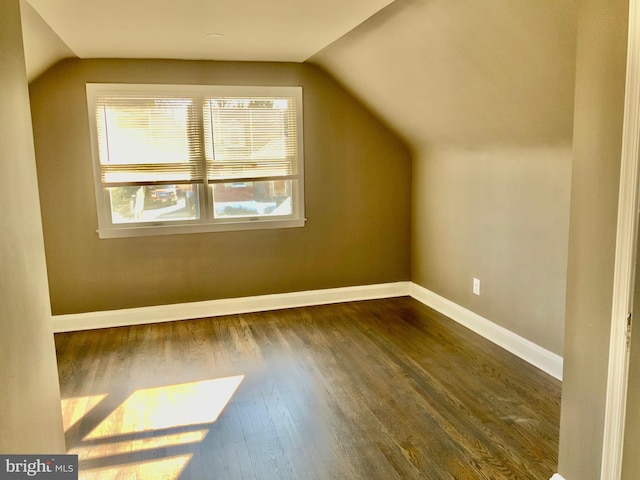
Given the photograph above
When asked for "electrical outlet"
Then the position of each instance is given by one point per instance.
(476, 286)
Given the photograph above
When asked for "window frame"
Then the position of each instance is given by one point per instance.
(207, 222)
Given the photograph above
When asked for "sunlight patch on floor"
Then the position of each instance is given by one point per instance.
(74, 408)
(152, 434)
(172, 406)
(138, 445)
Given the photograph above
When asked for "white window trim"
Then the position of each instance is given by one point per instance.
(107, 229)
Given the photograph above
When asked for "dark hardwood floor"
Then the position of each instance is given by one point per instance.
(383, 389)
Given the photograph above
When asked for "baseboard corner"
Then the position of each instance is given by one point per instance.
(532, 353)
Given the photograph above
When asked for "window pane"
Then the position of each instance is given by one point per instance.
(250, 137)
(252, 199)
(146, 139)
(154, 203)
(144, 130)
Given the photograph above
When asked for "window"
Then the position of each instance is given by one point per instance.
(182, 159)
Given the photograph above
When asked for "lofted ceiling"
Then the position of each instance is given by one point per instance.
(243, 30)
(443, 72)
(455, 72)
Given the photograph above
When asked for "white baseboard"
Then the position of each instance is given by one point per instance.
(231, 306)
(545, 360)
(556, 476)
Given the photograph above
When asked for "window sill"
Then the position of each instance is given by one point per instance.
(168, 229)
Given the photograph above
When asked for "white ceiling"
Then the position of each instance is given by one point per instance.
(260, 30)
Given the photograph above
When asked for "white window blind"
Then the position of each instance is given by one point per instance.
(146, 140)
(251, 138)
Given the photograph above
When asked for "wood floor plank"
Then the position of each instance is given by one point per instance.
(381, 389)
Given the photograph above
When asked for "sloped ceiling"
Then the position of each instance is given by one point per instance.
(42, 46)
(438, 71)
(455, 72)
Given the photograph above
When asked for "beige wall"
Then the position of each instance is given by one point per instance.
(483, 93)
(600, 77)
(492, 164)
(357, 188)
(30, 419)
(499, 215)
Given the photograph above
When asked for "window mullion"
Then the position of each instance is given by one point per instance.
(206, 203)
